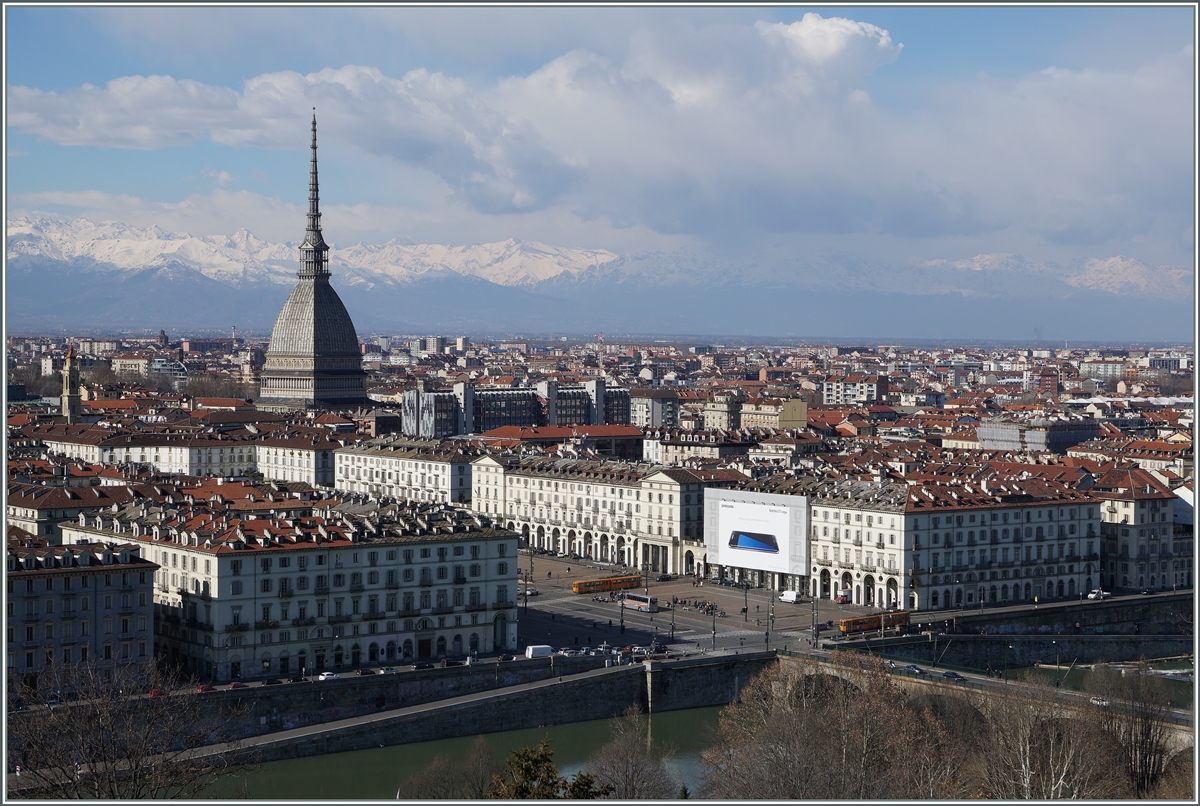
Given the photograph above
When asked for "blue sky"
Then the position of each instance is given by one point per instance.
(893, 133)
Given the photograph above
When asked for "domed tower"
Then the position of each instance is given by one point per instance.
(313, 360)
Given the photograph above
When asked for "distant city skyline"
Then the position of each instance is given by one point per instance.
(965, 151)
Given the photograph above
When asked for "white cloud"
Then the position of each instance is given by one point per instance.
(722, 132)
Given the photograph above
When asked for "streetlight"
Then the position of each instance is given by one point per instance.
(1057, 667)
(714, 628)
(745, 601)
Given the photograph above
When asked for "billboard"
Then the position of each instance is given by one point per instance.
(758, 531)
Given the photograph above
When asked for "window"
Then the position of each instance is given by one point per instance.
(502, 549)
(266, 585)
(408, 575)
(502, 569)
(443, 572)
(235, 588)
(235, 567)
(108, 625)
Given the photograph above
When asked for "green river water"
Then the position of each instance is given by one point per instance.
(378, 772)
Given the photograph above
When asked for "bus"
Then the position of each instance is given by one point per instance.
(606, 584)
(864, 623)
(640, 601)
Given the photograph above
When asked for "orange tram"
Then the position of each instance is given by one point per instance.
(606, 584)
(864, 623)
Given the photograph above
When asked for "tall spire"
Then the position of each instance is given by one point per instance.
(313, 250)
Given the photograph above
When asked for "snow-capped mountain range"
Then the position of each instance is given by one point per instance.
(62, 271)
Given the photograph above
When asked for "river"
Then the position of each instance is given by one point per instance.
(377, 773)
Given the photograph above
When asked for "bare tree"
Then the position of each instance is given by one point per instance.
(437, 780)
(122, 733)
(1042, 749)
(1136, 713)
(629, 763)
(480, 768)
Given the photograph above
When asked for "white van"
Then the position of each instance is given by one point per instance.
(789, 596)
(539, 651)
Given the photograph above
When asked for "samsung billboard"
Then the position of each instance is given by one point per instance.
(757, 531)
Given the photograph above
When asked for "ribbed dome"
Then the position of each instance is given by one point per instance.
(313, 323)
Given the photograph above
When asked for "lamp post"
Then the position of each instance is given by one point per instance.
(714, 628)
(1057, 667)
(745, 601)
(812, 623)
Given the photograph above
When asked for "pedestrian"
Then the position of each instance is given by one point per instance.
(18, 770)
(610, 624)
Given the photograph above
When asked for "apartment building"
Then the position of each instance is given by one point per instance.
(406, 469)
(239, 595)
(628, 513)
(929, 546)
(1142, 549)
(81, 603)
(839, 390)
(654, 408)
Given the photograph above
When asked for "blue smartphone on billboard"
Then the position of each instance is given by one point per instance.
(753, 541)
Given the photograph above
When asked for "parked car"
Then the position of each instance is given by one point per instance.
(389, 670)
(505, 658)
(1149, 591)
(297, 679)
(1099, 702)
(448, 662)
(362, 672)
(329, 676)
(274, 681)
(1097, 594)
(842, 599)
(204, 687)
(915, 669)
(237, 684)
(663, 578)
(953, 676)
(419, 665)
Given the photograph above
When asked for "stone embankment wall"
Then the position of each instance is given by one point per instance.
(655, 685)
(999, 652)
(268, 709)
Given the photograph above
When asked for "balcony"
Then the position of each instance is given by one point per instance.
(375, 616)
(460, 580)
(286, 593)
(266, 625)
(392, 586)
(407, 613)
(321, 590)
(476, 607)
(500, 605)
(426, 583)
(304, 622)
(339, 619)
(356, 587)
(239, 627)
(441, 611)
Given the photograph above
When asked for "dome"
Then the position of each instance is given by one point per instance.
(313, 323)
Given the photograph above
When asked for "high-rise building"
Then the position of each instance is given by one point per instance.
(313, 360)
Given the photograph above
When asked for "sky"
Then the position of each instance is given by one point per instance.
(888, 133)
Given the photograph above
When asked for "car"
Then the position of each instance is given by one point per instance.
(1097, 594)
(587, 650)
(204, 687)
(1099, 702)
(297, 679)
(641, 650)
(237, 684)
(842, 600)
(656, 648)
(505, 658)
(448, 662)
(419, 665)
(274, 681)
(157, 692)
(363, 672)
(389, 670)
(329, 676)
(953, 676)
(663, 578)
(891, 664)
(531, 591)
(1149, 591)
(915, 669)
